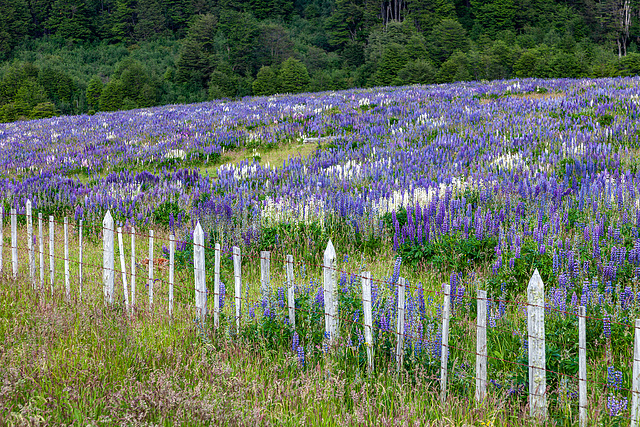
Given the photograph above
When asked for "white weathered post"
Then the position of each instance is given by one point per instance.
(216, 286)
(52, 264)
(150, 269)
(265, 275)
(291, 292)
(133, 267)
(537, 362)
(444, 351)
(30, 249)
(198, 262)
(67, 279)
(108, 257)
(123, 267)
(80, 260)
(400, 324)
(330, 301)
(1, 236)
(41, 247)
(14, 242)
(237, 276)
(481, 347)
(172, 248)
(368, 318)
(582, 365)
(635, 380)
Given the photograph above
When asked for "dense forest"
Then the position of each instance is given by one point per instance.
(75, 56)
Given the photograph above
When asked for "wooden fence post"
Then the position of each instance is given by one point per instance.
(265, 275)
(635, 379)
(199, 266)
(172, 248)
(133, 267)
(80, 259)
(151, 269)
(237, 276)
(107, 257)
(14, 242)
(67, 279)
(41, 247)
(1, 237)
(537, 359)
(481, 347)
(291, 290)
(123, 267)
(330, 301)
(444, 351)
(368, 318)
(30, 249)
(582, 365)
(400, 324)
(216, 286)
(52, 264)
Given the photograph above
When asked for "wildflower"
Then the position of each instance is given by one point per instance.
(616, 406)
(301, 356)
(606, 326)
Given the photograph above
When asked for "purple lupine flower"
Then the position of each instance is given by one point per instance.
(396, 270)
(301, 355)
(614, 378)
(616, 406)
(223, 290)
(606, 326)
(295, 342)
(319, 299)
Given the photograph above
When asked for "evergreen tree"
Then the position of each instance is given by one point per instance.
(151, 21)
(94, 91)
(455, 69)
(447, 37)
(70, 19)
(417, 72)
(14, 24)
(393, 60)
(266, 82)
(111, 97)
(293, 76)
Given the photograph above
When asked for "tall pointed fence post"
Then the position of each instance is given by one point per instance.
(635, 380)
(481, 347)
(133, 267)
(14, 242)
(237, 277)
(1, 235)
(123, 268)
(368, 318)
(291, 292)
(172, 250)
(216, 286)
(199, 271)
(400, 324)
(537, 362)
(80, 260)
(444, 353)
(107, 257)
(41, 248)
(582, 365)
(151, 268)
(30, 249)
(265, 275)
(330, 300)
(67, 278)
(52, 264)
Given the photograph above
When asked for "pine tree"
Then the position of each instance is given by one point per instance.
(266, 82)
(94, 91)
(293, 76)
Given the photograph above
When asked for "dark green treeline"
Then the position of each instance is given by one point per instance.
(73, 56)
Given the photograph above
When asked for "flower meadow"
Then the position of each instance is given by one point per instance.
(471, 184)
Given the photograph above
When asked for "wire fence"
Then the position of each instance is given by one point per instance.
(32, 251)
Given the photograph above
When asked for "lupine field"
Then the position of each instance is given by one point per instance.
(472, 184)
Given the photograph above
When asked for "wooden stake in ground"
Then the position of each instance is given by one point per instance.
(368, 318)
(151, 270)
(51, 252)
(265, 275)
(199, 271)
(400, 324)
(635, 379)
(481, 347)
(67, 278)
(41, 248)
(80, 260)
(216, 286)
(291, 289)
(330, 302)
(237, 276)
(32, 260)
(14, 242)
(536, 346)
(444, 351)
(123, 269)
(133, 267)
(582, 365)
(107, 257)
(172, 248)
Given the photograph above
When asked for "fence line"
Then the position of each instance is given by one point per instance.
(535, 304)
